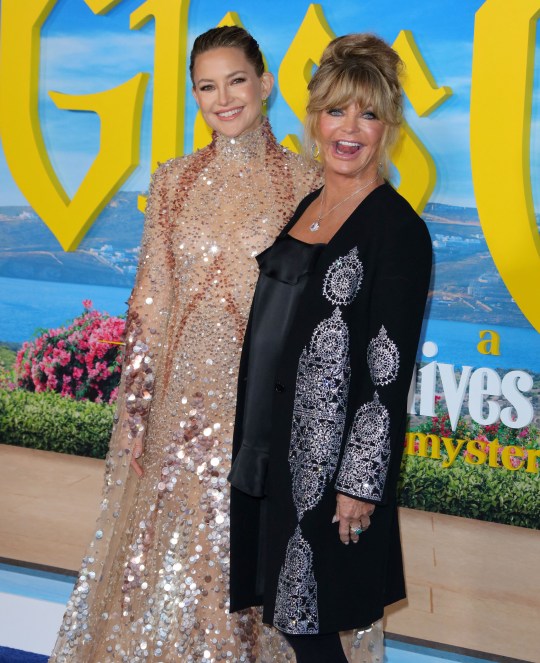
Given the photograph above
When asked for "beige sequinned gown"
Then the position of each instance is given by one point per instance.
(154, 583)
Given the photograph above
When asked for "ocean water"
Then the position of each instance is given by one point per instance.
(27, 305)
(457, 344)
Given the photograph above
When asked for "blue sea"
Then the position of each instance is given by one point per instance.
(28, 305)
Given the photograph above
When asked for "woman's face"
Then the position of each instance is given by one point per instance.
(228, 91)
(350, 140)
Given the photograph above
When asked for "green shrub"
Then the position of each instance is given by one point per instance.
(54, 423)
(481, 492)
(7, 357)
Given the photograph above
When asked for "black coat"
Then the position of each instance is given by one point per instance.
(339, 417)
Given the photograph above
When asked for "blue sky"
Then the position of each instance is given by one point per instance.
(83, 53)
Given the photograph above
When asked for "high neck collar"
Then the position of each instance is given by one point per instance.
(250, 145)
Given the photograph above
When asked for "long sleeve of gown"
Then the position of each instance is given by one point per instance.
(149, 309)
(384, 360)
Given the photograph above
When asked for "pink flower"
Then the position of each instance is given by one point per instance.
(87, 303)
(73, 359)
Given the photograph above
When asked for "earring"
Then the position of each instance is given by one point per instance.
(315, 151)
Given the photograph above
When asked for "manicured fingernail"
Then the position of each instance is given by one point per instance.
(334, 519)
(346, 542)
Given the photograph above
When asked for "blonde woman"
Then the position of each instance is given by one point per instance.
(326, 369)
(154, 585)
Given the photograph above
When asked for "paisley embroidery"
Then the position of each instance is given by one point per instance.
(343, 279)
(382, 359)
(320, 404)
(367, 453)
(296, 610)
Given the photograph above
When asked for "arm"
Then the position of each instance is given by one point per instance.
(382, 370)
(147, 320)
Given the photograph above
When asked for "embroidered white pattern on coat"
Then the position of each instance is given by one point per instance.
(296, 610)
(382, 359)
(320, 404)
(367, 452)
(343, 279)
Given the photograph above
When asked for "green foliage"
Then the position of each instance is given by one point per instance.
(481, 492)
(51, 422)
(7, 357)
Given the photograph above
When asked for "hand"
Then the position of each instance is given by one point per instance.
(352, 513)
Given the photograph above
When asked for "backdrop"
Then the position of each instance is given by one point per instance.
(94, 93)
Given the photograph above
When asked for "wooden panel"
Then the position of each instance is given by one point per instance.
(470, 584)
(483, 584)
(49, 503)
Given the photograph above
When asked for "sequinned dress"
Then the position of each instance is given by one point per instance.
(154, 583)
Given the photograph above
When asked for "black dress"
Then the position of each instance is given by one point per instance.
(337, 423)
(284, 269)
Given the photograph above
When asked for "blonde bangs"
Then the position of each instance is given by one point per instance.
(347, 86)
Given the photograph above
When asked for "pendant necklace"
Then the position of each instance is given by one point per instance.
(317, 223)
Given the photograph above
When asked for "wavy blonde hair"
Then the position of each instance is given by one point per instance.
(362, 69)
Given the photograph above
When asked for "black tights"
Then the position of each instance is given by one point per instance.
(325, 648)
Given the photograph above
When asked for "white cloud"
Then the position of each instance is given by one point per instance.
(459, 84)
(90, 63)
(446, 133)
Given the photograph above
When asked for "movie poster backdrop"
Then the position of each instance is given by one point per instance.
(95, 93)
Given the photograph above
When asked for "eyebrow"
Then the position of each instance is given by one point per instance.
(210, 80)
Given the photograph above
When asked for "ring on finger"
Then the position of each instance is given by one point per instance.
(356, 530)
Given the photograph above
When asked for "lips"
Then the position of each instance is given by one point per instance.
(347, 147)
(229, 114)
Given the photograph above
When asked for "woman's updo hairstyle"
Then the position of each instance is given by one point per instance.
(229, 36)
(359, 68)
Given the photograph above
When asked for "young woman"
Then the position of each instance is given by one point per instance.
(325, 374)
(154, 583)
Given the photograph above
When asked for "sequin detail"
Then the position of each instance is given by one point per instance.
(343, 279)
(154, 583)
(320, 405)
(382, 359)
(296, 610)
(367, 452)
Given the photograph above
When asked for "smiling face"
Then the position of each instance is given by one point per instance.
(350, 141)
(228, 91)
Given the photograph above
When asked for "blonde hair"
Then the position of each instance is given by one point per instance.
(362, 69)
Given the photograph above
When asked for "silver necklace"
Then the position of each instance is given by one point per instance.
(317, 223)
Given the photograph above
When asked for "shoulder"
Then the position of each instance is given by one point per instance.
(303, 168)
(174, 170)
(188, 162)
(398, 220)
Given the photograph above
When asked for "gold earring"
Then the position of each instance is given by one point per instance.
(315, 151)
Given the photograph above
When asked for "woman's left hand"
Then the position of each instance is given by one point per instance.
(352, 515)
